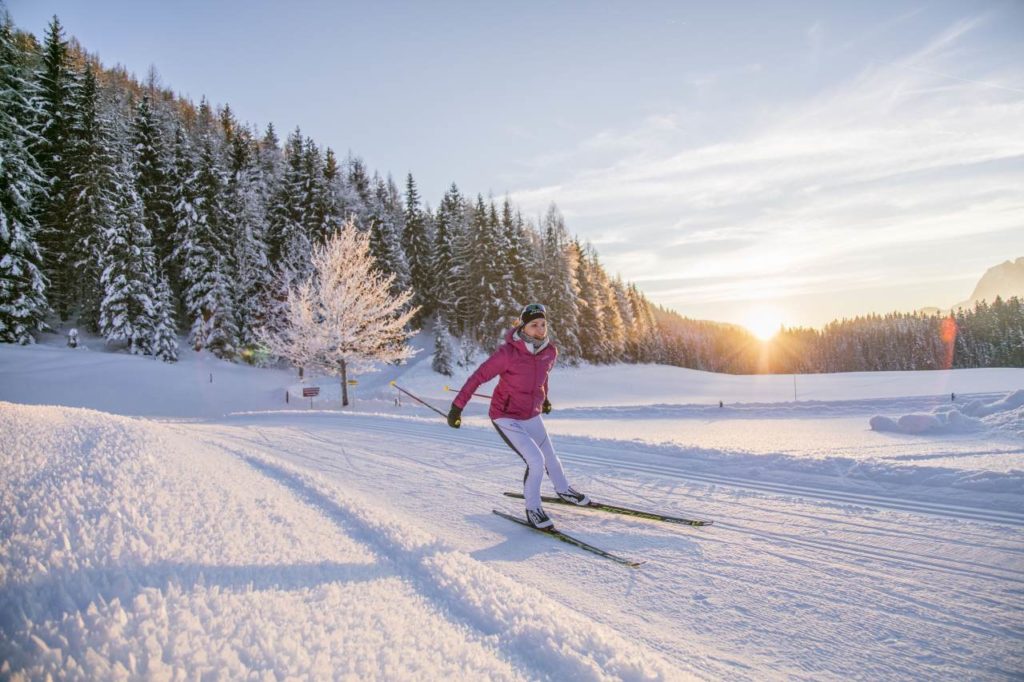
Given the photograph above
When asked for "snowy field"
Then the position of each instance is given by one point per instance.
(176, 527)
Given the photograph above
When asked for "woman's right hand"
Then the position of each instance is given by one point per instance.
(455, 416)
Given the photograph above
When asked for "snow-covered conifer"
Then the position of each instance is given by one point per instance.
(518, 256)
(127, 312)
(247, 230)
(92, 204)
(593, 344)
(442, 361)
(386, 217)
(288, 240)
(152, 173)
(416, 242)
(559, 288)
(614, 330)
(482, 284)
(207, 268)
(164, 344)
(23, 305)
(450, 226)
(57, 82)
(315, 196)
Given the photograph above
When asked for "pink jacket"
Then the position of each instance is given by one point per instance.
(523, 383)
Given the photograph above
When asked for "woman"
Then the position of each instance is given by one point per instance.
(522, 364)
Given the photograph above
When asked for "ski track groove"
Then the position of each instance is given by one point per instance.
(835, 496)
(979, 626)
(924, 562)
(860, 551)
(803, 551)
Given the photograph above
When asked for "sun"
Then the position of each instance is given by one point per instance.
(764, 322)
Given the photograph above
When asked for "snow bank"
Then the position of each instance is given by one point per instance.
(1005, 415)
(129, 549)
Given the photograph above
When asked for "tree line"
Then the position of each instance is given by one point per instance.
(132, 211)
(986, 335)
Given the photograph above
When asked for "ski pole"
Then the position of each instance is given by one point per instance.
(421, 402)
(478, 395)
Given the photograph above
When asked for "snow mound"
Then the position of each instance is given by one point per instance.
(129, 549)
(1005, 415)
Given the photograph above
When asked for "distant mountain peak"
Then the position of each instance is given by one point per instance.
(1005, 280)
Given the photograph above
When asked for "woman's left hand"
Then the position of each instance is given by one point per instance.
(546, 408)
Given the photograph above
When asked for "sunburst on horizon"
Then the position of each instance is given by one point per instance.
(764, 322)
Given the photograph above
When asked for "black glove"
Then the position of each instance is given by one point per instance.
(546, 408)
(455, 416)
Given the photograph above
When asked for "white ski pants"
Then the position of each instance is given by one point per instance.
(529, 439)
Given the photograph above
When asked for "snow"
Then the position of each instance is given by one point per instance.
(159, 525)
(1006, 413)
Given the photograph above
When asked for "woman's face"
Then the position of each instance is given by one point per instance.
(538, 328)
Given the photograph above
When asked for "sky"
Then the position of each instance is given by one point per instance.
(757, 163)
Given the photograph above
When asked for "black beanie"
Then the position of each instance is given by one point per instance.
(532, 312)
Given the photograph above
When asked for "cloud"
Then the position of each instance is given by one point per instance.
(900, 155)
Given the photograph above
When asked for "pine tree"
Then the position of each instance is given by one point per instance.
(442, 361)
(314, 199)
(643, 338)
(416, 244)
(624, 312)
(359, 181)
(271, 160)
(128, 312)
(251, 284)
(338, 198)
(591, 308)
(152, 172)
(23, 306)
(386, 218)
(559, 287)
(164, 344)
(450, 228)
(288, 240)
(57, 85)
(518, 256)
(207, 270)
(92, 202)
(184, 198)
(506, 304)
(613, 328)
(479, 291)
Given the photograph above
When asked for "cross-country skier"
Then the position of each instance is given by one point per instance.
(522, 364)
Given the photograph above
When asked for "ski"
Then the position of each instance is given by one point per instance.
(559, 535)
(626, 511)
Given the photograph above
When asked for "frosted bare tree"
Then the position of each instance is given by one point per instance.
(343, 318)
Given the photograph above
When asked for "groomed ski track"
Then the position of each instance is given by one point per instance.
(796, 579)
